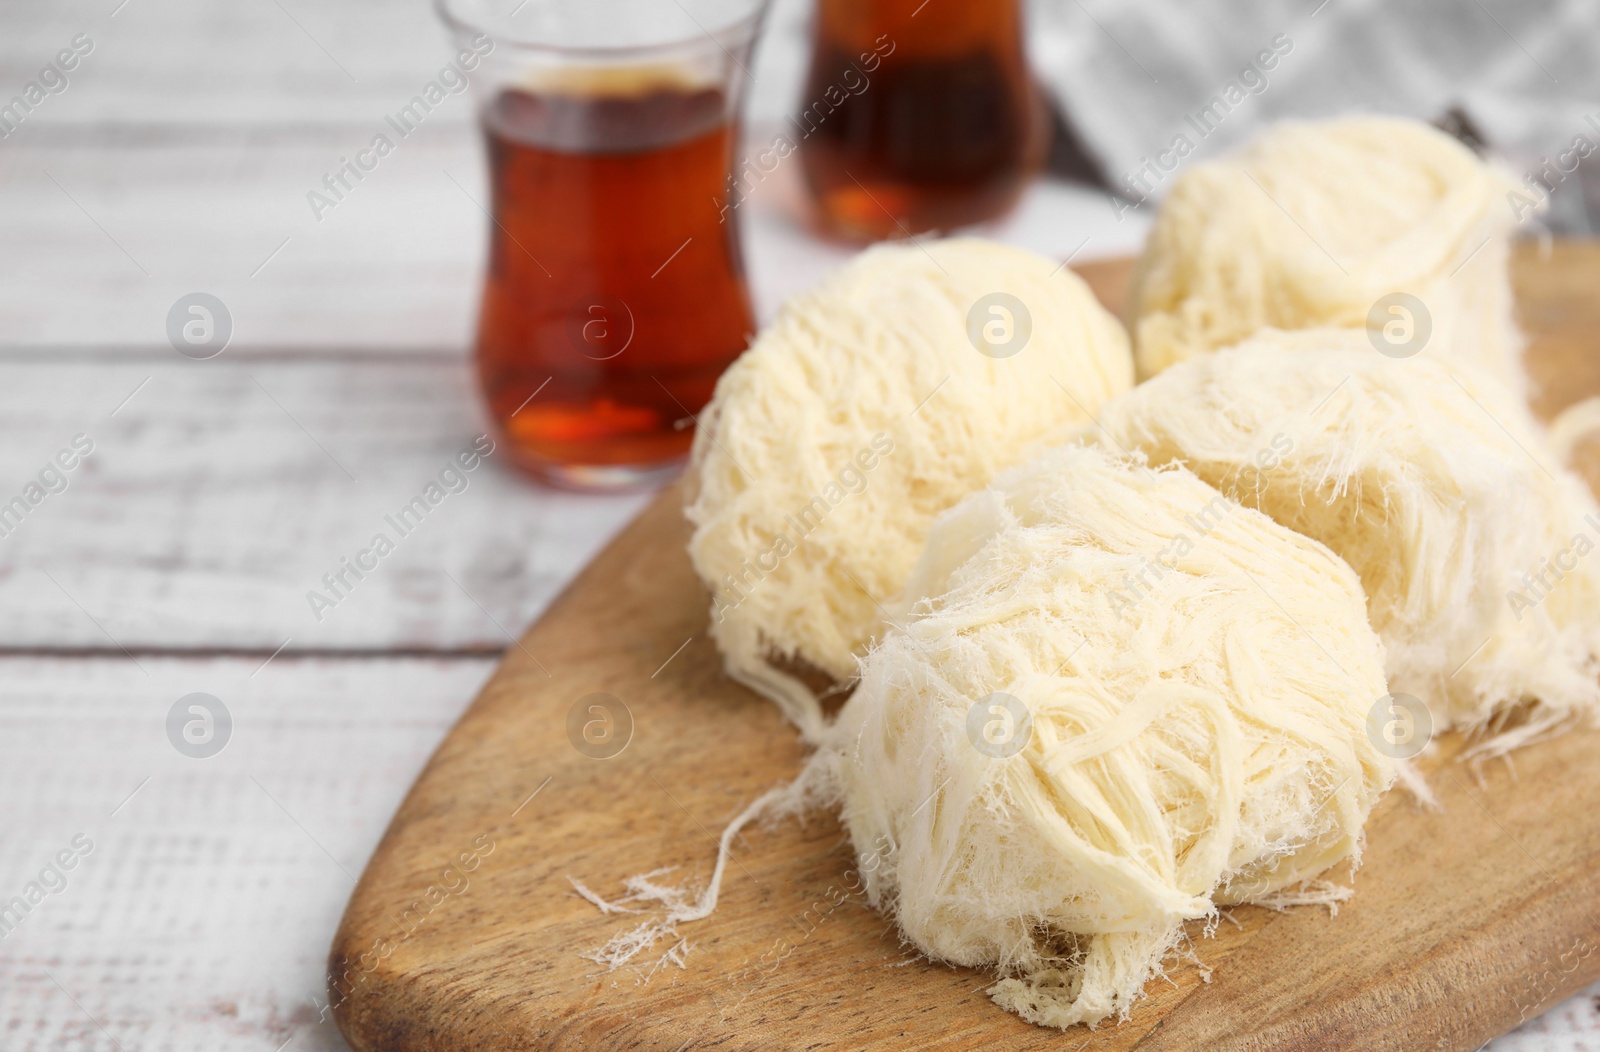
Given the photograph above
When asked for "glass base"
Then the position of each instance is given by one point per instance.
(608, 478)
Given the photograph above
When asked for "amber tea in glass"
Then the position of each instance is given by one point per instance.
(615, 290)
(918, 114)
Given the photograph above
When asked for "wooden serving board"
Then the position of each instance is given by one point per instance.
(464, 932)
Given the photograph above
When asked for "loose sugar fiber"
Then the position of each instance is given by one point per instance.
(1323, 224)
(1475, 545)
(1155, 756)
(872, 403)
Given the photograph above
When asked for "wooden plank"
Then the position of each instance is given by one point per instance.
(1465, 922)
(1558, 308)
(106, 239)
(109, 232)
(217, 497)
(147, 934)
(199, 919)
(188, 61)
(1456, 916)
(204, 65)
(179, 160)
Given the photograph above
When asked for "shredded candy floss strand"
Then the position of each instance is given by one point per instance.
(1477, 548)
(1065, 778)
(1068, 777)
(1123, 657)
(1349, 223)
(872, 403)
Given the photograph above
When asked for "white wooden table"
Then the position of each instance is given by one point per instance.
(178, 557)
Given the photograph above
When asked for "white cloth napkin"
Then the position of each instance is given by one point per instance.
(1131, 75)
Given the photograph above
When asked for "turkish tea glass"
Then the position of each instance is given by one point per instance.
(918, 115)
(615, 291)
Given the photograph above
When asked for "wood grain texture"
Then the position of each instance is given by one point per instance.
(217, 497)
(180, 155)
(397, 266)
(199, 920)
(1464, 922)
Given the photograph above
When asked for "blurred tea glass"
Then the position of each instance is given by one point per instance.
(918, 114)
(615, 290)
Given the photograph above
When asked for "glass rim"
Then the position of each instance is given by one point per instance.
(749, 22)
